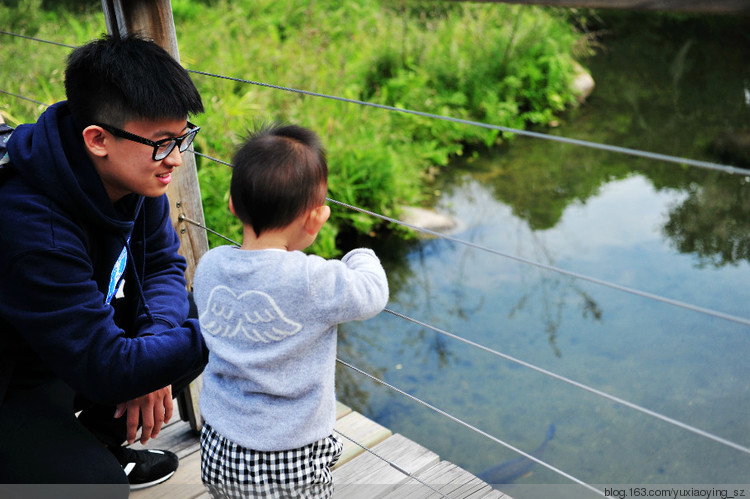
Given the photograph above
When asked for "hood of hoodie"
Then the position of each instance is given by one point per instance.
(50, 156)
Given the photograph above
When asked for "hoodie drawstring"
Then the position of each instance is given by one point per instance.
(139, 272)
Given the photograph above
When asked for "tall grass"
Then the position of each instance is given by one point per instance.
(500, 64)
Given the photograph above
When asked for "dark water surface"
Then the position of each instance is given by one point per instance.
(679, 87)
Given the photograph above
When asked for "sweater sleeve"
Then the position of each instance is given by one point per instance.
(354, 288)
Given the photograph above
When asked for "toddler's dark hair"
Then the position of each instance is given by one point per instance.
(279, 173)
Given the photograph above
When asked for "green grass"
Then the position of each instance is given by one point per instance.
(495, 63)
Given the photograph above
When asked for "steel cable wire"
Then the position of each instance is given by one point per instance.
(474, 428)
(546, 372)
(27, 37)
(709, 165)
(643, 294)
(23, 97)
(578, 384)
(393, 465)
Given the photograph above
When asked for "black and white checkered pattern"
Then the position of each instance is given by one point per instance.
(231, 471)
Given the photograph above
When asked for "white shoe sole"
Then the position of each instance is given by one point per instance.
(151, 484)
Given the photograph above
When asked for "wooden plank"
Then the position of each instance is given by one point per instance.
(397, 449)
(358, 475)
(342, 410)
(445, 479)
(460, 482)
(362, 430)
(370, 475)
(696, 6)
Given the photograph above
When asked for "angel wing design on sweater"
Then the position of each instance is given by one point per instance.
(253, 314)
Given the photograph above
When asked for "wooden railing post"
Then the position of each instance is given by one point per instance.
(153, 18)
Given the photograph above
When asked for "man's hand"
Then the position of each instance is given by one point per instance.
(153, 410)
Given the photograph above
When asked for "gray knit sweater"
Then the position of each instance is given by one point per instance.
(269, 319)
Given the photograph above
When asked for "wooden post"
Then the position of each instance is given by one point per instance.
(153, 18)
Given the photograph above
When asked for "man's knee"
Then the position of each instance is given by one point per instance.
(52, 447)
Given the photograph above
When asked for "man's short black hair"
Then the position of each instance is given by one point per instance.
(117, 79)
(279, 173)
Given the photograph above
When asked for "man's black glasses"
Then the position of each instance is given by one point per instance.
(163, 147)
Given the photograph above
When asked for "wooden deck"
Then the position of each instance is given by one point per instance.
(359, 474)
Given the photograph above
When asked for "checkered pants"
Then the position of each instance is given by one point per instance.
(231, 471)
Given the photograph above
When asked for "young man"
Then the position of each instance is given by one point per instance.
(83, 216)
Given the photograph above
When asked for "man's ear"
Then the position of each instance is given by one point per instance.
(316, 218)
(95, 140)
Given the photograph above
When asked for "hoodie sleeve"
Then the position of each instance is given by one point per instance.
(49, 299)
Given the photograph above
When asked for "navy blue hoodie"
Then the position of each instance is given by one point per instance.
(64, 250)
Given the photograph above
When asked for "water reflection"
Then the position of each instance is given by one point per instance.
(673, 231)
(713, 222)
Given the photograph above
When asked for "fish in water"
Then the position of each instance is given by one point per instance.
(512, 470)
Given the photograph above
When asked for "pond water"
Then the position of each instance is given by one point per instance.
(674, 231)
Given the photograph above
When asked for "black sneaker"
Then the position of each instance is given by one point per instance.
(145, 468)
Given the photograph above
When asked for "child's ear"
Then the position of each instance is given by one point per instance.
(316, 218)
(231, 206)
(95, 140)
